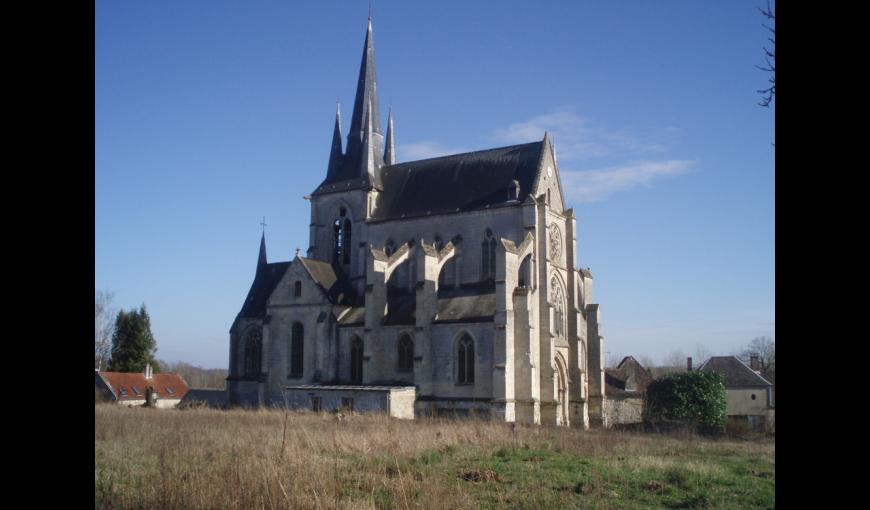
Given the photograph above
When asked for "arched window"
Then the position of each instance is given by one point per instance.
(465, 360)
(557, 302)
(488, 256)
(406, 353)
(253, 353)
(356, 360)
(525, 275)
(346, 241)
(297, 350)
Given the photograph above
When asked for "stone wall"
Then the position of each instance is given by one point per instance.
(622, 410)
(397, 402)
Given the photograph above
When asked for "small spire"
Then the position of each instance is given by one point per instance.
(335, 152)
(261, 261)
(390, 150)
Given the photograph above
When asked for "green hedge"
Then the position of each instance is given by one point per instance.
(694, 398)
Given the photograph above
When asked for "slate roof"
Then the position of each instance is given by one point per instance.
(338, 290)
(460, 182)
(468, 304)
(212, 397)
(736, 372)
(267, 277)
(348, 387)
(167, 386)
(615, 378)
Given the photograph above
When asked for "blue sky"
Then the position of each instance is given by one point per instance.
(211, 115)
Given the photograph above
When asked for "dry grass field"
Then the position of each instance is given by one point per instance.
(201, 458)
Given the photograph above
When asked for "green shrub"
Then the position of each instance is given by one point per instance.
(694, 398)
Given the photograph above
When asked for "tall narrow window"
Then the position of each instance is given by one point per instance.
(557, 302)
(465, 360)
(356, 360)
(336, 249)
(297, 289)
(346, 241)
(297, 350)
(253, 352)
(487, 253)
(406, 353)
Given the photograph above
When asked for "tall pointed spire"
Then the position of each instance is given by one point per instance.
(366, 95)
(390, 150)
(335, 152)
(261, 261)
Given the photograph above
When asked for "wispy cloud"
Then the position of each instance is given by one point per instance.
(572, 134)
(576, 138)
(597, 185)
(425, 149)
(578, 143)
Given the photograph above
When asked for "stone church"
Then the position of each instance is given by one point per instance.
(445, 285)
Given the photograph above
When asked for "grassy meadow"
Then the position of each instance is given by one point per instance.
(237, 459)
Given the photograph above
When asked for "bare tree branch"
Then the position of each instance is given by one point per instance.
(768, 93)
(104, 325)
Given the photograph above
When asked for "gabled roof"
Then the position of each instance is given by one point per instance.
(267, 277)
(337, 289)
(460, 182)
(616, 378)
(736, 372)
(167, 386)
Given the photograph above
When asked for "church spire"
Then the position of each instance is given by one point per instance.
(390, 150)
(366, 95)
(335, 152)
(261, 261)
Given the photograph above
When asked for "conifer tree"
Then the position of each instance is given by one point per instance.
(133, 344)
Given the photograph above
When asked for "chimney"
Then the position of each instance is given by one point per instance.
(689, 364)
(148, 371)
(753, 361)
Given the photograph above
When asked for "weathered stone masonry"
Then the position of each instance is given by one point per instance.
(454, 276)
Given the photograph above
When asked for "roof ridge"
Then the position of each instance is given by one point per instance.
(464, 153)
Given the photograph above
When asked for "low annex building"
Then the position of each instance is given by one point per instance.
(749, 395)
(625, 392)
(133, 389)
(445, 285)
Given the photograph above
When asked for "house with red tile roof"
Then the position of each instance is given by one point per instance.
(134, 389)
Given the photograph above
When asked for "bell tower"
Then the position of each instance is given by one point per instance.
(341, 205)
